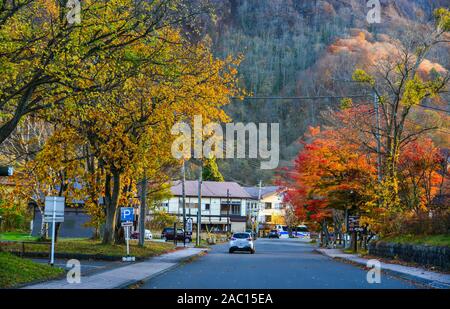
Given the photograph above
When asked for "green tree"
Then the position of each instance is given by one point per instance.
(211, 171)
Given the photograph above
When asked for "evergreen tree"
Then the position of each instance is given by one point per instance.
(211, 171)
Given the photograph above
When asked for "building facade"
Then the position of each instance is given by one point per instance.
(266, 207)
(223, 205)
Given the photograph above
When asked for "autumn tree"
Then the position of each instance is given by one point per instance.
(46, 60)
(329, 175)
(419, 175)
(401, 81)
(126, 130)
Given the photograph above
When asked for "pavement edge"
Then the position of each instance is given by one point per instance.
(427, 282)
(177, 264)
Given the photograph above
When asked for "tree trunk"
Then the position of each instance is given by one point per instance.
(9, 126)
(111, 203)
(43, 233)
(143, 211)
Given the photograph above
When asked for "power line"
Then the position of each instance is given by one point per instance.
(299, 97)
(434, 108)
(293, 98)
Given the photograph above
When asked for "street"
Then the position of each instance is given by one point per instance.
(277, 264)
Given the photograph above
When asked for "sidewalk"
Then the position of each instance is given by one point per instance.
(124, 276)
(430, 278)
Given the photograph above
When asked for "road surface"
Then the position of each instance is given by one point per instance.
(277, 264)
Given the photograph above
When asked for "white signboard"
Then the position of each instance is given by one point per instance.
(125, 224)
(189, 225)
(54, 212)
(54, 208)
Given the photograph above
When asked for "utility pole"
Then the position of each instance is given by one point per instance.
(142, 209)
(377, 115)
(258, 208)
(228, 210)
(183, 180)
(199, 208)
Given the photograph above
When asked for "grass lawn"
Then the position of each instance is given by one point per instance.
(360, 251)
(87, 246)
(15, 271)
(432, 240)
(17, 236)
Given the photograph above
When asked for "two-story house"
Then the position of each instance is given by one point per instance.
(267, 207)
(223, 204)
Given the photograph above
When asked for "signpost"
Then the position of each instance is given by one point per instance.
(354, 227)
(54, 212)
(189, 226)
(187, 229)
(353, 224)
(126, 218)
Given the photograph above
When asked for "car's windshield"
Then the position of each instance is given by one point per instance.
(241, 235)
(302, 229)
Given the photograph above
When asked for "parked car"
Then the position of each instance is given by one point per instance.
(242, 242)
(168, 234)
(254, 236)
(273, 234)
(301, 231)
(148, 235)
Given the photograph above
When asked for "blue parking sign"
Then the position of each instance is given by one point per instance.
(126, 214)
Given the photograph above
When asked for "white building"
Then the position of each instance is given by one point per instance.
(270, 210)
(223, 204)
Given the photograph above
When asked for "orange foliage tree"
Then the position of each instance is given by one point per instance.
(329, 176)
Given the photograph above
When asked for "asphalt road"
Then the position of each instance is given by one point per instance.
(277, 264)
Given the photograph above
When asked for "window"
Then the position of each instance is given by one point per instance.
(207, 207)
(233, 209)
(268, 205)
(302, 229)
(190, 205)
(268, 218)
(241, 235)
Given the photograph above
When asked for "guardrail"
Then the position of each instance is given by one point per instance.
(22, 246)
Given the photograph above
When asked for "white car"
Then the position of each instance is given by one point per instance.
(148, 235)
(242, 242)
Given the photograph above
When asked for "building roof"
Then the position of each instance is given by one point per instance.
(210, 189)
(265, 191)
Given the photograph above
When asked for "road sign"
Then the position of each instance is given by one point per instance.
(189, 225)
(54, 212)
(127, 229)
(6, 170)
(54, 209)
(353, 224)
(126, 214)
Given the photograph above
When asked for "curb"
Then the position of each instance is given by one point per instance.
(177, 264)
(428, 282)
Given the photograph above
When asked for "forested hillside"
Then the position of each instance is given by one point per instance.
(306, 48)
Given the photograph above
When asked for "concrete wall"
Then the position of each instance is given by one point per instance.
(423, 255)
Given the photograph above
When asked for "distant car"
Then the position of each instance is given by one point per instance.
(242, 242)
(168, 234)
(301, 231)
(252, 233)
(147, 235)
(273, 234)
